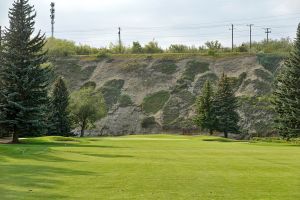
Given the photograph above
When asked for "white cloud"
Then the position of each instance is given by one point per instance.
(279, 7)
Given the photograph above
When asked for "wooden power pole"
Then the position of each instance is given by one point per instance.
(120, 42)
(268, 31)
(232, 42)
(250, 45)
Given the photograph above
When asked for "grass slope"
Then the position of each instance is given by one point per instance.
(149, 167)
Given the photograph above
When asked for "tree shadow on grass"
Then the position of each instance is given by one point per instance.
(67, 144)
(24, 181)
(8, 193)
(107, 155)
(32, 153)
(222, 140)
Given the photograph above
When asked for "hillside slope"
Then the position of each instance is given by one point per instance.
(148, 95)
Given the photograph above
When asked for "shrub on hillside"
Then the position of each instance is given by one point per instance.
(59, 47)
(154, 102)
(111, 91)
(193, 68)
(136, 48)
(270, 61)
(89, 84)
(148, 122)
(125, 101)
(264, 75)
(133, 66)
(201, 80)
(171, 111)
(165, 66)
(152, 47)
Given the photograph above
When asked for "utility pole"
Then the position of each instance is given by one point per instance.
(120, 42)
(232, 44)
(52, 16)
(268, 30)
(250, 25)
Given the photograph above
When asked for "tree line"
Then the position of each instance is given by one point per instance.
(62, 48)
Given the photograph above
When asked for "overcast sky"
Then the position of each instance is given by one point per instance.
(191, 22)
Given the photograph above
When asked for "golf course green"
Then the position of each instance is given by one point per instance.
(149, 167)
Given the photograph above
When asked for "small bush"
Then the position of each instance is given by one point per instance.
(125, 101)
(171, 111)
(154, 102)
(111, 91)
(60, 48)
(152, 47)
(165, 66)
(89, 84)
(193, 68)
(181, 84)
(180, 100)
(261, 87)
(269, 61)
(103, 54)
(263, 75)
(201, 80)
(148, 122)
(133, 66)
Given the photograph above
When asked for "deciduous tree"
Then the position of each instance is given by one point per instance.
(86, 107)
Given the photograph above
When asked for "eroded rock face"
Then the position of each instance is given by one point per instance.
(126, 82)
(121, 122)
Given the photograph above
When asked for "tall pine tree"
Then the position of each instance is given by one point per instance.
(59, 105)
(204, 118)
(287, 94)
(24, 88)
(224, 108)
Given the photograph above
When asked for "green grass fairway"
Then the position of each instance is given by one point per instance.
(149, 167)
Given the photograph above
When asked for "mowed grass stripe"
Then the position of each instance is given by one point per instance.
(149, 167)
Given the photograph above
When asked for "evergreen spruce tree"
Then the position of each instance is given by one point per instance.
(224, 108)
(204, 118)
(287, 94)
(59, 105)
(24, 88)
